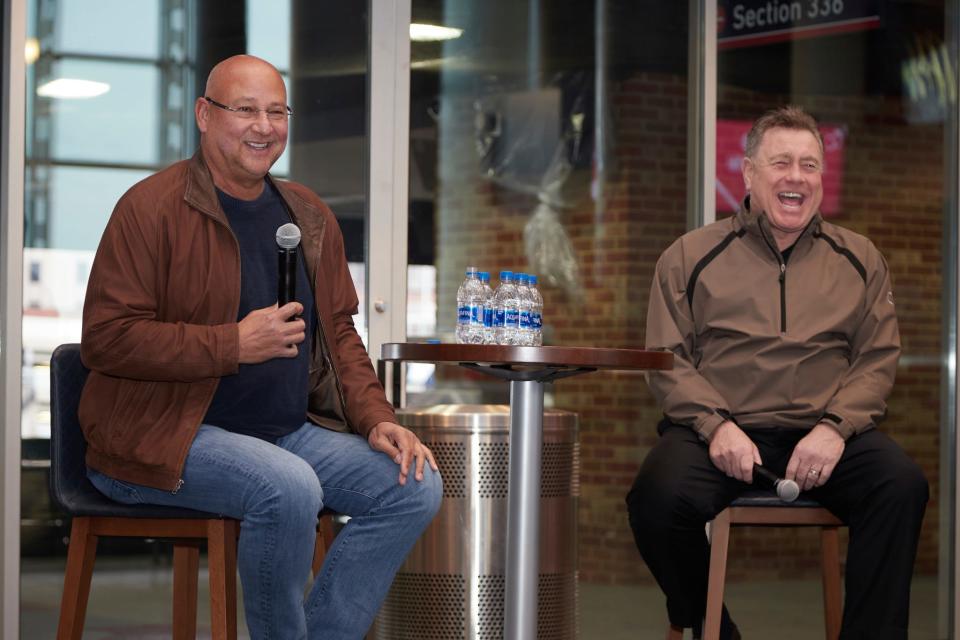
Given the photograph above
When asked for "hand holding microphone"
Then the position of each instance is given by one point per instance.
(731, 451)
(787, 490)
(275, 332)
(270, 332)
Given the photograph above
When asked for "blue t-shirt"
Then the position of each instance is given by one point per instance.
(266, 400)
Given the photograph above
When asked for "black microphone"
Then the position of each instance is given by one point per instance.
(288, 238)
(787, 490)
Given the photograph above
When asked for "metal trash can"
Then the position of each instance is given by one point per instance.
(451, 586)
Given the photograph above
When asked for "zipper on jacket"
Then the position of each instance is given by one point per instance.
(783, 296)
(177, 488)
(783, 278)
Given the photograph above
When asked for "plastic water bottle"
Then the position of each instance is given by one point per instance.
(488, 337)
(463, 308)
(524, 336)
(478, 306)
(536, 313)
(470, 304)
(506, 322)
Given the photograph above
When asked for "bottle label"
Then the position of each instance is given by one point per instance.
(511, 318)
(525, 320)
(488, 317)
(536, 321)
(498, 317)
(476, 315)
(463, 315)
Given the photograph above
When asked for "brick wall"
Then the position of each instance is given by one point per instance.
(892, 192)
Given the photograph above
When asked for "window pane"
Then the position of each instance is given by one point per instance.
(268, 37)
(119, 126)
(81, 201)
(268, 31)
(82, 26)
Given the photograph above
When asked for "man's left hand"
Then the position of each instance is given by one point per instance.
(815, 457)
(403, 447)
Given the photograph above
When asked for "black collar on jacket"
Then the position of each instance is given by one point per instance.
(757, 225)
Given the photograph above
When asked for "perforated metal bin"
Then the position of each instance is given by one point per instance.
(451, 587)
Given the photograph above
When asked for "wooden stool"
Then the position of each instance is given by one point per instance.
(765, 509)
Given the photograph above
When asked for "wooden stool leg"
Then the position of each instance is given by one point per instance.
(325, 537)
(222, 565)
(319, 553)
(186, 566)
(719, 541)
(76, 580)
(830, 560)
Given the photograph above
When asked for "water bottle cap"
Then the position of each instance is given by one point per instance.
(533, 278)
(484, 276)
(472, 271)
(506, 275)
(522, 278)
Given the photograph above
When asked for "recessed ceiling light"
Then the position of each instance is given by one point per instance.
(432, 32)
(72, 88)
(31, 50)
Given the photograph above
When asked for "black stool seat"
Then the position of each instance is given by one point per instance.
(69, 485)
(767, 498)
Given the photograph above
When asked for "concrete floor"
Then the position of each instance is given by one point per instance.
(784, 610)
(130, 599)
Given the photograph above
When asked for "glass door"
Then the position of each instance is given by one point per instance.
(880, 77)
(551, 138)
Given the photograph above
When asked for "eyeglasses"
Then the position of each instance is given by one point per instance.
(251, 113)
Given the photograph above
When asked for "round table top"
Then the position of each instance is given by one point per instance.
(593, 357)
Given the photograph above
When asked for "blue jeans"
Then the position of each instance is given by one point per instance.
(277, 492)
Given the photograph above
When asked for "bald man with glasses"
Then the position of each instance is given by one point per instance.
(205, 394)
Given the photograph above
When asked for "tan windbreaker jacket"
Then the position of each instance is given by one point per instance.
(768, 343)
(160, 324)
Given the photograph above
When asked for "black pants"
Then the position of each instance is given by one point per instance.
(875, 489)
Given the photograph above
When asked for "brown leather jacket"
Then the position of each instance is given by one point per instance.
(773, 344)
(160, 324)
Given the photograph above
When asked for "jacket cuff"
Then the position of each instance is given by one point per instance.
(706, 426)
(366, 424)
(228, 355)
(843, 427)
